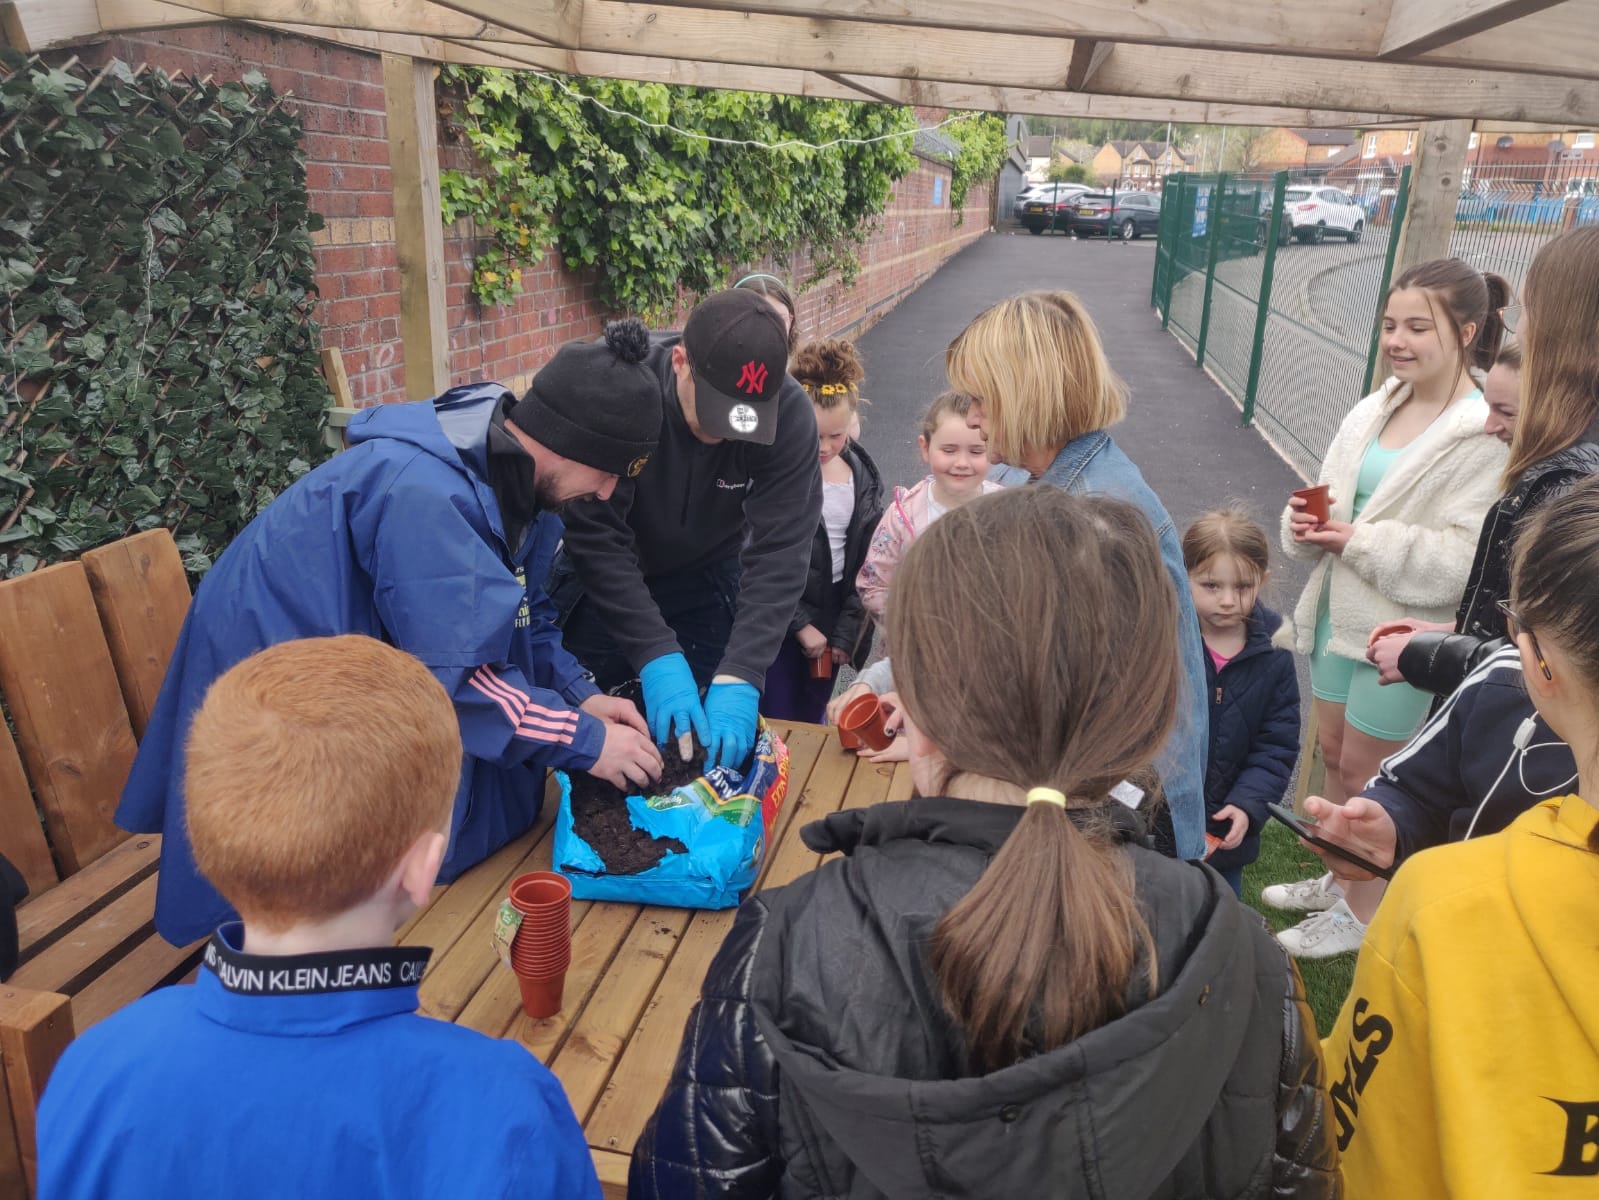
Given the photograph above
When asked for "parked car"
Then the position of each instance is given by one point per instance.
(1048, 205)
(1318, 211)
(1128, 215)
(1033, 191)
(1285, 222)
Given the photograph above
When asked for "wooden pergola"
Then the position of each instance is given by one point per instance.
(1443, 66)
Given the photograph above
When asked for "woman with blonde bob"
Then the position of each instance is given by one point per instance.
(1044, 394)
(996, 989)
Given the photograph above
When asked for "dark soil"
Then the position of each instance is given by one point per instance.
(599, 816)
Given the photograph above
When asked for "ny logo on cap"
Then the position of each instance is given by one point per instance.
(753, 378)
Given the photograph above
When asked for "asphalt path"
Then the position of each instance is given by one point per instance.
(1182, 429)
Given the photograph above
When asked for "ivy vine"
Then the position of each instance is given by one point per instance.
(651, 210)
(983, 146)
(158, 363)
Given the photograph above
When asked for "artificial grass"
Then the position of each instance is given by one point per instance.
(1282, 860)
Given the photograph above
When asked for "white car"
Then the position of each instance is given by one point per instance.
(1045, 191)
(1318, 211)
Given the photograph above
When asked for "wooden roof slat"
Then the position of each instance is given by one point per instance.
(1415, 26)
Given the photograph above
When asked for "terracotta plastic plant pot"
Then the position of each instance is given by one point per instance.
(542, 966)
(848, 740)
(539, 891)
(542, 997)
(822, 665)
(1317, 502)
(863, 717)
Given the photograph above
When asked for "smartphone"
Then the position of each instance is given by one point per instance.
(1307, 830)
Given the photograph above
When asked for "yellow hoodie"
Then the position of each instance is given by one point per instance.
(1465, 1062)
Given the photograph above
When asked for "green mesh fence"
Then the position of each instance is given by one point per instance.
(1274, 284)
(1508, 211)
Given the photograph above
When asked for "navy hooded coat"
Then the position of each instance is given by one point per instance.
(1254, 733)
(399, 538)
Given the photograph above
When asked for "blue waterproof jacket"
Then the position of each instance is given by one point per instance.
(1254, 732)
(1093, 464)
(399, 538)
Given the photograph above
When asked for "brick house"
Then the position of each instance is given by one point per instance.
(1310, 151)
(1138, 165)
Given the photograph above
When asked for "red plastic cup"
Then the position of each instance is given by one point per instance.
(542, 997)
(863, 719)
(822, 665)
(1318, 502)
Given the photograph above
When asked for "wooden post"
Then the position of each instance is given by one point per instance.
(418, 223)
(1434, 192)
(35, 1028)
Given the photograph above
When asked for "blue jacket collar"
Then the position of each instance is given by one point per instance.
(1073, 458)
(307, 994)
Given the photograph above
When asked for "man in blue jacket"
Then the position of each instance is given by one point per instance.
(432, 532)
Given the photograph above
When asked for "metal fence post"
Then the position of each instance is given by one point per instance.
(1395, 227)
(1168, 241)
(1213, 218)
(1257, 352)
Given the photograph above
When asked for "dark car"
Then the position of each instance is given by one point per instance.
(1128, 215)
(1051, 207)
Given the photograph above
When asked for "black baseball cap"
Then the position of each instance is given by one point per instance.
(738, 352)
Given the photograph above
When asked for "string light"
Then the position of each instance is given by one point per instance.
(792, 144)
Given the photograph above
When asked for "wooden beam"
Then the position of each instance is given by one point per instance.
(1087, 57)
(117, 16)
(1556, 41)
(1416, 26)
(34, 25)
(417, 17)
(1434, 192)
(1015, 61)
(418, 226)
(978, 98)
(1320, 83)
(428, 49)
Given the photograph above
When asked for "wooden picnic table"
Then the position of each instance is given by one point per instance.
(636, 970)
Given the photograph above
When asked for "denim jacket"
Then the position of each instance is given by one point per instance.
(1094, 465)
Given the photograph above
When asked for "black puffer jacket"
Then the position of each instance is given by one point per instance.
(1437, 662)
(836, 609)
(821, 1063)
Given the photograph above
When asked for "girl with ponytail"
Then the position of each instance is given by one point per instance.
(997, 989)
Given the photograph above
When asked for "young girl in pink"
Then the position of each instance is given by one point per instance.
(956, 454)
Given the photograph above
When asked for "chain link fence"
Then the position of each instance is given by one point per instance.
(1274, 284)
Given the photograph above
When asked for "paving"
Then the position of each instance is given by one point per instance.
(1182, 430)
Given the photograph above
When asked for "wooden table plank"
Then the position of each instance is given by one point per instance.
(902, 788)
(133, 975)
(59, 968)
(601, 1035)
(611, 1167)
(40, 920)
(821, 794)
(594, 947)
(805, 744)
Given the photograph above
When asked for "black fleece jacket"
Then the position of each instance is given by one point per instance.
(695, 504)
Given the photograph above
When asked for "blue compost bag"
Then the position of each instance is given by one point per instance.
(724, 818)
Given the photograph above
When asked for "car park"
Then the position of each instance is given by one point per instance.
(1126, 215)
(1319, 211)
(1048, 206)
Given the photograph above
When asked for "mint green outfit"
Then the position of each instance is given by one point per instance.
(1390, 712)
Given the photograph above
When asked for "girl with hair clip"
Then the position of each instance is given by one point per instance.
(1044, 395)
(1467, 1053)
(996, 989)
(1555, 399)
(829, 626)
(1410, 474)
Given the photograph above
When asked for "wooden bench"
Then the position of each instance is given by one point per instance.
(83, 649)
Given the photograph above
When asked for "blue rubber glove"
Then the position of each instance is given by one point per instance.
(672, 699)
(730, 712)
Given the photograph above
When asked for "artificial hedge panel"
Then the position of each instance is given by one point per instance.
(158, 361)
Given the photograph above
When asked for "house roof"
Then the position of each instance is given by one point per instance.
(1040, 145)
(1327, 137)
(1338, 160)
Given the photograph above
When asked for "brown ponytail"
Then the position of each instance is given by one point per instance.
(1075, 692)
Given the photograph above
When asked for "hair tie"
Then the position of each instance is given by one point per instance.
(1046, 795)
(837, 389)
(759, 275)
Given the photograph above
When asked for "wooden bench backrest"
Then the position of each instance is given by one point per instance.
(83, 647)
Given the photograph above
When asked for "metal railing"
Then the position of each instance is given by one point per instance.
(1282, 314)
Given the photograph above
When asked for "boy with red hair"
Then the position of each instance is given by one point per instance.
(297, 1064)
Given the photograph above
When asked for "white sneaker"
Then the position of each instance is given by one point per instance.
(1305, 895)
(1335, 931)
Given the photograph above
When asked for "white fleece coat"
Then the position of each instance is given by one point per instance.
(1411, 549)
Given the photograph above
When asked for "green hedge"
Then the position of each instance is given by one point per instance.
(158, 362)
(657, 214)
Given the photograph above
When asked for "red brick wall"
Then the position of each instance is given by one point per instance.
(338, 94)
